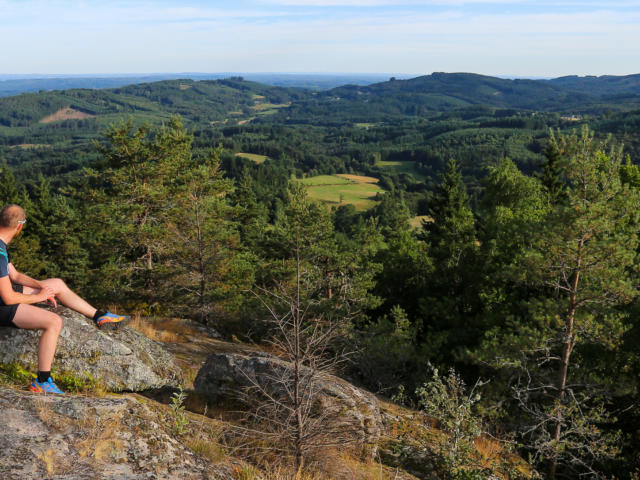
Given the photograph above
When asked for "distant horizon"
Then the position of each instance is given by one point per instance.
(517, 38)
(40, 75)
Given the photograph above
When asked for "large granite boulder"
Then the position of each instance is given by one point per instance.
(75, 437)
(357, 412)
(120, 360)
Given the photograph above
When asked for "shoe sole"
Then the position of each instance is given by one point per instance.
(114, 325)
(44, 392)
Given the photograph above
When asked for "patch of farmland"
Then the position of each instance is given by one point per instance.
(335, 190)
(416, 222)
(66, 114)
(254, 157)
(269, 106)
(324, 180)
(358, 178)
(31, 145)
(401, 167)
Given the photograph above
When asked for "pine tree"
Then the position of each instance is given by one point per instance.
(449, 296)
(8, 187)
(56, 226)
(200, 259)
(553, 169)
(132, 198)
(580, 261)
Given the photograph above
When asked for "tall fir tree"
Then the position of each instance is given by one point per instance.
(204, 268)
(132, 198)
(449, 301)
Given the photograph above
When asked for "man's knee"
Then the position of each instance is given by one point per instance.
(53, 322)
(57, 284)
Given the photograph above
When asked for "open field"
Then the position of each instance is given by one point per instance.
(358, 178)
(270, 106)
(416, 222)
(31, 145)
(254, 157)
(400, 167)
(66, 114)
(337, 190)
(324, 180)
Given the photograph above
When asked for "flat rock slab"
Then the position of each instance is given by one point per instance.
(353, 410)
(73, 437)
(120, 360)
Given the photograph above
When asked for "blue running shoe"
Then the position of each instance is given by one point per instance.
(112, 321)
(45, 387)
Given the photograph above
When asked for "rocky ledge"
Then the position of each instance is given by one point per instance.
(356, 411)
(74, 437)
(120, 360)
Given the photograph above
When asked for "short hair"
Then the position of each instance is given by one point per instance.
(10, 215)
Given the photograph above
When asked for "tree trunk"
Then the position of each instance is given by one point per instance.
(201, 267)
(567, 347)
(296, 380)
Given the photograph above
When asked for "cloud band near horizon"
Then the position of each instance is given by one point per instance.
(495, 37)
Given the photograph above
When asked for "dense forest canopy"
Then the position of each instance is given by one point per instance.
(500, 237)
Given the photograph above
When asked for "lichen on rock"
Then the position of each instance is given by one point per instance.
(120, 360)
(75, 437)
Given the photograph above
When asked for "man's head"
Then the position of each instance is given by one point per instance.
(12, 219)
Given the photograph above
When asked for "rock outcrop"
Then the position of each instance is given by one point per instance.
(120, 360)
(74, 437)
(224, 375)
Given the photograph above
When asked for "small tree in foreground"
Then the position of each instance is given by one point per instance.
(311, 300)
(447, 399)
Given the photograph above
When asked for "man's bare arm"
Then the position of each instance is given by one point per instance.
(22, 279)
(10, 296)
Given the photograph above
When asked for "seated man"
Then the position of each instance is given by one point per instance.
(18, 292)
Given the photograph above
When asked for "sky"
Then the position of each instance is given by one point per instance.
(495, 37)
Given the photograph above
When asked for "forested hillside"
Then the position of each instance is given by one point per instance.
(474, 250)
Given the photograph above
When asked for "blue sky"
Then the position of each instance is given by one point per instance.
(495, 37)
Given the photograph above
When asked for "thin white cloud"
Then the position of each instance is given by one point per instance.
(137, 38)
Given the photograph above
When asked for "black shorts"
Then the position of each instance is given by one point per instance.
(7, 312)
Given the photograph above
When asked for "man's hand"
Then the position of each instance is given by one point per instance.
(46, 294)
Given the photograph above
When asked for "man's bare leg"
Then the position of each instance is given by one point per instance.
(34, 318)
(65, 296)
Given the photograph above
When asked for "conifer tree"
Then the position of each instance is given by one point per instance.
(580, 262)
(132, 198)
(56, 226)
(552, 169)
(450, 235)
(203, 268)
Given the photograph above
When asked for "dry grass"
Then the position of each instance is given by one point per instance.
(100, 438)
(166, 330)
(254, 157)
(47, 415)
(332, 464)
(31, 145)
(66, 114)
(416, 222)
(358, 178)
(49, 459)
(209, 449)
(493, 454)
